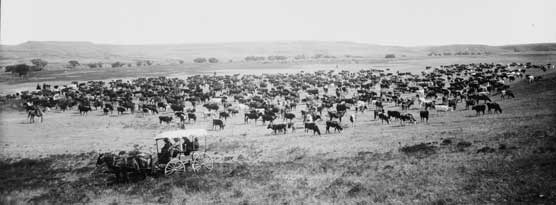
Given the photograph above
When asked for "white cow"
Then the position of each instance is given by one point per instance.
(442, 108)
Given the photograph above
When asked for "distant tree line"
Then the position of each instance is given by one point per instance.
(204, 60)
(459, 53)
(23, 69)
(390, 56)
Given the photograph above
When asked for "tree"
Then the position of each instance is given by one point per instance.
(117, 65)
(20, 69)
(213, 60)
(39, 64)
(390, 56)
(200, 60)
(73, 63)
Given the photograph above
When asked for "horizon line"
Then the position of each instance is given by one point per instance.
(271, 41)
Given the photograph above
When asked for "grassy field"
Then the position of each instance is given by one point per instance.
(456, 158)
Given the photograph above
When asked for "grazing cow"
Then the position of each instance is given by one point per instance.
(479, 109)
(407, 117)
(269, 118)
(335, 124)
(469, 103)
(191, 116)
(277, 127)
(251, 116)
(289, 116)
(424, 114)
(224, 115)
(507, 93)
(217, 122)
(312, 126)
(442, 108)
(494, 106)
(166, 119)
(233, 111)
(338, 115)
(120, 110)
(383, 117)
(83, 110)
(394, 114)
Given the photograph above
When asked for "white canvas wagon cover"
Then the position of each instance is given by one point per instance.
(182, 133)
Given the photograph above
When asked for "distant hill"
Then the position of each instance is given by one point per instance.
(87, 51)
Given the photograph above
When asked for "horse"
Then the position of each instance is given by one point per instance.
(122, 165)
(34, 113)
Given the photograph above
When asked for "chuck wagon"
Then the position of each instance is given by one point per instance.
(183, 153)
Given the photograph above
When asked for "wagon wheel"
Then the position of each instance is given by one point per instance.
(207, 161)
(174, 166)
(196, 162)
(201, 161)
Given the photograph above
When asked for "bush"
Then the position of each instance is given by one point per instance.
(390, 56)
(200, 60)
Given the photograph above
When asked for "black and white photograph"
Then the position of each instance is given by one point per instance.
(440, 102)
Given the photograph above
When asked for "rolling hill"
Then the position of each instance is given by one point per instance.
(86, 51)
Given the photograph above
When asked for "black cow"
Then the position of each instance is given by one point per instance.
(479, 109)
(251, 116)
(394, 114)
(217, 122)
(289, 116)
(338, 115)
(269, 118)
(312, 126)
(211, 107)
(120, 110)
(383, 117)
(191, 116)
(406, 117)
(277, 127)
(453, 103)
(424, 116)
(83, 110)
(166, 119)
(336, 125)
(494, 106)
(177, 108)
(105, 110)
(224, 115)
(109, 107)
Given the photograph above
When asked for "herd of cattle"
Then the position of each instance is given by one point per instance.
(269, 97)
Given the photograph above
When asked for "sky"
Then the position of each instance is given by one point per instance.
(392, 22)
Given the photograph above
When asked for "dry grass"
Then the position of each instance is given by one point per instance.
(435, 163)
